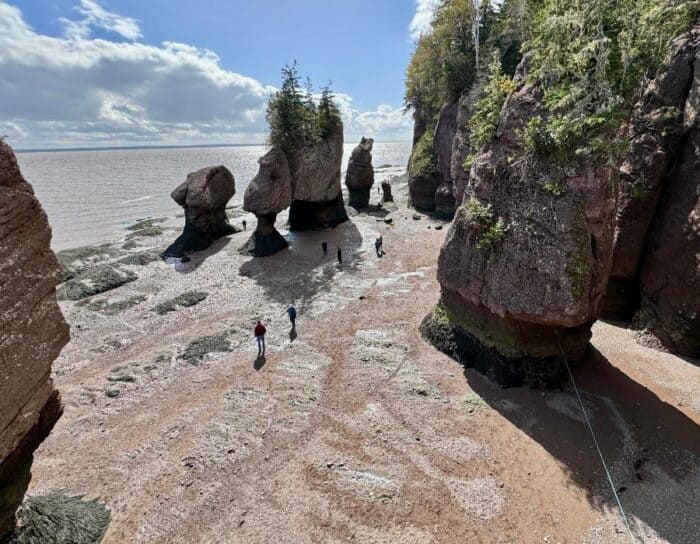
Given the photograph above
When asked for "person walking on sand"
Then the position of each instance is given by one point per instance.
(245, 225)
(340, 256)
(292, 313)
(379, 246)
(324, 247)
(260, 331)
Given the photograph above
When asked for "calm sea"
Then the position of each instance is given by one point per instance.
(90, 196)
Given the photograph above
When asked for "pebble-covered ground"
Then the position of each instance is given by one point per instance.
(352, 429)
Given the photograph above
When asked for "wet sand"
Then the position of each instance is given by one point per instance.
(353, 429)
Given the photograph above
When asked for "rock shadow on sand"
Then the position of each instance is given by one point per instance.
(299, 273)
(197, 259)
(651, 448)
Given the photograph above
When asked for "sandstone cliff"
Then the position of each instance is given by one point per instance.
(525, 263)
(32, 334)
(657, 229)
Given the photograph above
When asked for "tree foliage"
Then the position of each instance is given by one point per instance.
(295, 118)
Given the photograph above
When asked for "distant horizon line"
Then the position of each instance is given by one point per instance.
(155, 146)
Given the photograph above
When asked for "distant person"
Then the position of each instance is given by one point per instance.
(340, 256)
(260, 331)
(324, 247)
(379, 246)
(245, 225)
(292, 313)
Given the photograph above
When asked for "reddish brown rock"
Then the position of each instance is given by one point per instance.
(670, 276)
(32, 334)
(443, 142)
(522, 271)
(656, 135)
(360, 175)
(268, 194)
(317, 198)
(203, 195)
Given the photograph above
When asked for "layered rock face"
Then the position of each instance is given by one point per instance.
(442, 144)
(657, 229)
(268, 194)
(360, 175)
(203, 195)
(32, 334)
(423, 176)
(461, 147)
(522, 270)
(317, 199)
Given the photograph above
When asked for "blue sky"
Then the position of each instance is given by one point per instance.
(131, 72)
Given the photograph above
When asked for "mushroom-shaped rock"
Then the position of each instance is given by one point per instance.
(203, 195)
(522, 270)
(269, 193)
(32, 334)
(317, 198)
(360, 176)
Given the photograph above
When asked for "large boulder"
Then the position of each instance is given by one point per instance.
(203, 195)
(360, 175)
(670, 274)
(317, 198)
(268, 194)
(656, 134)
(32, 334)
(423, 171)
(443, 143)
(523, 268)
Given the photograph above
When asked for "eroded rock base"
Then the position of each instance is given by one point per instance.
(192, 239)
(266, 240)
(450, 335)
(304, 215)
(359, 199)
(15, 470)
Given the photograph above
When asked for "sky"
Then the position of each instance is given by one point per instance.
(93, 73)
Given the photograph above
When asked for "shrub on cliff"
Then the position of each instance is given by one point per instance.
(294, 117)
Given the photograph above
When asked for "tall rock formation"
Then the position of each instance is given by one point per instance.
(360, 175)
(443, 142)
(32, 334)
(461, 146)
(268, 194)
(523, 268)
(657, 229)
(203, 195)
(317, 198)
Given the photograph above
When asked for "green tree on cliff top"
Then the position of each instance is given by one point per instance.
(294, 117)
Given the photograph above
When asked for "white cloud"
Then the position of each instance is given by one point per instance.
(81, 91)
(420, 24)
(94, 15)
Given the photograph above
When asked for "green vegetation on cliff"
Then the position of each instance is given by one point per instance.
(589, 58)
(295, 119)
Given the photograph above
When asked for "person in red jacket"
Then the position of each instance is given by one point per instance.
(260, 331)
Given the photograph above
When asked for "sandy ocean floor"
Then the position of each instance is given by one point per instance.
(353, 429)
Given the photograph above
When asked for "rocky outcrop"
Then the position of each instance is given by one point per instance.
(203, 195)
(360, 175)
(442, 143)
(317, 199)
(32, 334)
(268, 194)
(523, 268)
(461, 147)
(423, 172)
(655, 274)
(656, 134)
(670, 276)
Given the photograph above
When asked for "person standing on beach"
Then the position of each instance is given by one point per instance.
(292, 313)
(340, 256)
(259, 332)
(245, 225)
(379, 246)
(324, 247)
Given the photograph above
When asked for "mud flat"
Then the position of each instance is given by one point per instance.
(354, 429)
